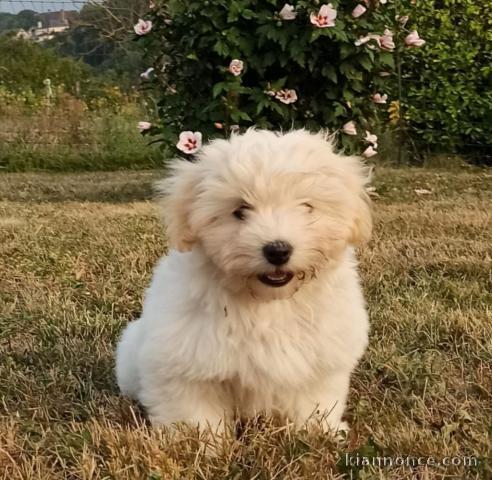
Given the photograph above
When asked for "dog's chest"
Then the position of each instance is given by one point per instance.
(272, 344)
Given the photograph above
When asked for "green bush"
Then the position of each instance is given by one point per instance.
(25, 65)
(441, 94)
(70, 137)
(447, 86)
(192, 44)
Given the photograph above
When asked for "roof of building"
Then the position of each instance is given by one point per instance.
(58, 19)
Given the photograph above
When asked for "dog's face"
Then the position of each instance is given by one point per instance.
(269, 210)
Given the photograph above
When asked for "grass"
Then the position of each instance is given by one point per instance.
(76, 252)
(70, 137)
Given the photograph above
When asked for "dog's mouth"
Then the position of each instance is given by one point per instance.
(278, 278)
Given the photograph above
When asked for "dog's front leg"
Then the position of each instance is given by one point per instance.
(175, 400)
(325, 402)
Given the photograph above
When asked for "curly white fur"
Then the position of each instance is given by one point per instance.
(214, 341)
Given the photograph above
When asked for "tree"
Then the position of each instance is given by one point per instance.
(102, 38)
(25, 19)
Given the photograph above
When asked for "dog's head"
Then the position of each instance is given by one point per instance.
(269, 210)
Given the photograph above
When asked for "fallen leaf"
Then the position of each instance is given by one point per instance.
(422, 191)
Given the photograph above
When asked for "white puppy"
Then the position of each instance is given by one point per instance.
(257, 307)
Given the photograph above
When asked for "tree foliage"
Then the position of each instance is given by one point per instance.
(102, 38)
(25, 19)
(24, 67)
(447, 92)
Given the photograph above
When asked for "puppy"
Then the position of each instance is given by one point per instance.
(258, 306)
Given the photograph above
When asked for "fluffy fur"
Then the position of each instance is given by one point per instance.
(214, 341)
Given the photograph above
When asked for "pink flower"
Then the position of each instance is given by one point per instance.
(143, 126)
(325, 17)
(189, 142)
(142, 27)
(286, 96)
(362, 40)
(386, 40)
(371, 138)
(378, 98)
(146, 75)
(236, 67)
(358, 11)
(371, 36)
(218, 125)
(369, 152)
(403, 19)
(287, 12)
(384, 74)
(349, 128)
(413, 39)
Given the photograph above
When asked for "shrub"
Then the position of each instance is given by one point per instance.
(447, 86)
(441, 96)
(25, 65)
(328, 79)
(67, 135)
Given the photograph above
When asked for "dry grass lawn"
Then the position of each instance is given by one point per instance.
(76, 252)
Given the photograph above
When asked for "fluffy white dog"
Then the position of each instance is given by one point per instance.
(258, 306)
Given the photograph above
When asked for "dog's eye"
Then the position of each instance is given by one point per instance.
(240, 212)
(309, 207)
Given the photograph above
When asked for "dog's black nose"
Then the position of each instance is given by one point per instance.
(277, 252)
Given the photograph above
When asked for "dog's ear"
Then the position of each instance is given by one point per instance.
(354, 176)
(177, 193)
(362, 220)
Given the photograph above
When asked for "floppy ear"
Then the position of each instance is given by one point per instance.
(354, 175)
(178, 192)
(362, 222)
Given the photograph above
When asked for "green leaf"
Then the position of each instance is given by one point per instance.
(357, 86)
(218, 88)
(221, 48)
(330, 73)
(347, 95)
(365, 61)
(279, 84)
(388, 59)
(346, 51)
(244, 116)
(235, 116)
(339, 110)
(248, 14)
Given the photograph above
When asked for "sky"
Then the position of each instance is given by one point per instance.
(15, 6)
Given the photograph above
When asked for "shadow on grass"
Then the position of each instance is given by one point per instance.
(111, 187)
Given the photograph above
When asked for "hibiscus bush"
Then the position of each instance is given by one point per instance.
(221, 65)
